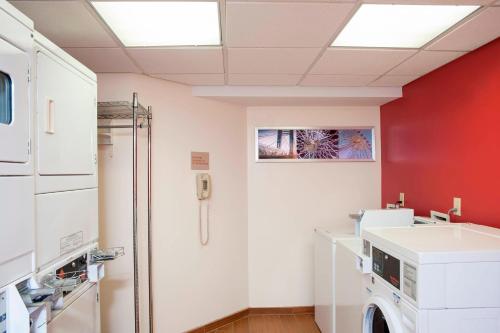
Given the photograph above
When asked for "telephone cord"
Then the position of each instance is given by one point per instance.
(200, 220)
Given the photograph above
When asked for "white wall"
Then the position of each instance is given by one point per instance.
(258, 257)
(193, 284)
(287, 200)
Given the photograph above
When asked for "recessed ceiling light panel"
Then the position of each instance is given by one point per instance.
(162, 23)
(405, 26)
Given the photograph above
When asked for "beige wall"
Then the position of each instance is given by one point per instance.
(261, 256)
(287, 200)
(193, 284)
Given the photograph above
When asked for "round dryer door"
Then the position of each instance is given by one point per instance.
(379, 323)
(380, 316)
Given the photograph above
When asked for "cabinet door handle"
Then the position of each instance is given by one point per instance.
(50, 121)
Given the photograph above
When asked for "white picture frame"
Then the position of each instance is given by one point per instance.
(315, 144)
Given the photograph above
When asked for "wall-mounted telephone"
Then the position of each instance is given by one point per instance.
(203, 186)
(203, 189)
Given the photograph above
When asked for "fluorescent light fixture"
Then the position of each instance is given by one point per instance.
(162, 23)
(405, 26)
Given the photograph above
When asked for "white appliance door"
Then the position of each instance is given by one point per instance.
(81, 316)
(14, 104)
(17, 223)
(66, 114)
(65, 221)
(381, 316)
(349, 289)
(324, 262)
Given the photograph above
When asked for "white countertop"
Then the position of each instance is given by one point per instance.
(433, 244)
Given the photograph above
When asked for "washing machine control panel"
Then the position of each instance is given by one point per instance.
(386, 266)
(410, 281)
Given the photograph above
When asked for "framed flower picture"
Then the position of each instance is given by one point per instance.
(315, 144)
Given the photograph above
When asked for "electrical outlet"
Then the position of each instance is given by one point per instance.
(402, 199)
(457, 205)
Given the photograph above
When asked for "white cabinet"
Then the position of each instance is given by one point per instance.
(65, 221)
(66, 122)
(16, 228)
(81, 316)
(16, 44)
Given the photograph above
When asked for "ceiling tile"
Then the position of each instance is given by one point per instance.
(393, 80)
(193, 79)
(347, 61)
(66, 23)
(264, 79)
(190, 60)
(104, 60)
(276, 24)
(337, 80)
(424, 62)
(477, 31)
(271, 60)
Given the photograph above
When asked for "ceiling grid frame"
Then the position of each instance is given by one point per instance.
(438, 37)
(292, 49)
(390, 69)
(330, 41)
(459, 23)
(400, 63)
(422, 48)
(105, 26)
(484, 5)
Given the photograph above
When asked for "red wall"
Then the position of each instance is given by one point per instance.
(442, 139)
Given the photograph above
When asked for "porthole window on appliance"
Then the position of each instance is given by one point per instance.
(5, 99)
(379, 322)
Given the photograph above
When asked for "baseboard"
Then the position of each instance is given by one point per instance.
(282, 311)
(221, 322)
(295, 310)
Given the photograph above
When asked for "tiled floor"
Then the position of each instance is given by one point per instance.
(271, 324)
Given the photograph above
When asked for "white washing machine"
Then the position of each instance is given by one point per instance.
(435, 279)
(352, 275)
(324, 278)
(325, 254)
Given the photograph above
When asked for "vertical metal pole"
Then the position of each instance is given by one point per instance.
(150, 278)
(135, 106)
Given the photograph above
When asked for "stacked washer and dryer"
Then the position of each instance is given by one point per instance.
(17, 208)
(49, 261)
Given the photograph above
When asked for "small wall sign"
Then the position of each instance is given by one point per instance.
(200, 160)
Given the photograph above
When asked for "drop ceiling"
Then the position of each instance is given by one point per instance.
(265, 43)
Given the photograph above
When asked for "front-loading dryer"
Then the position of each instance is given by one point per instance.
(440, 279)
(326, 266)
(385, 311)
(16, 47)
